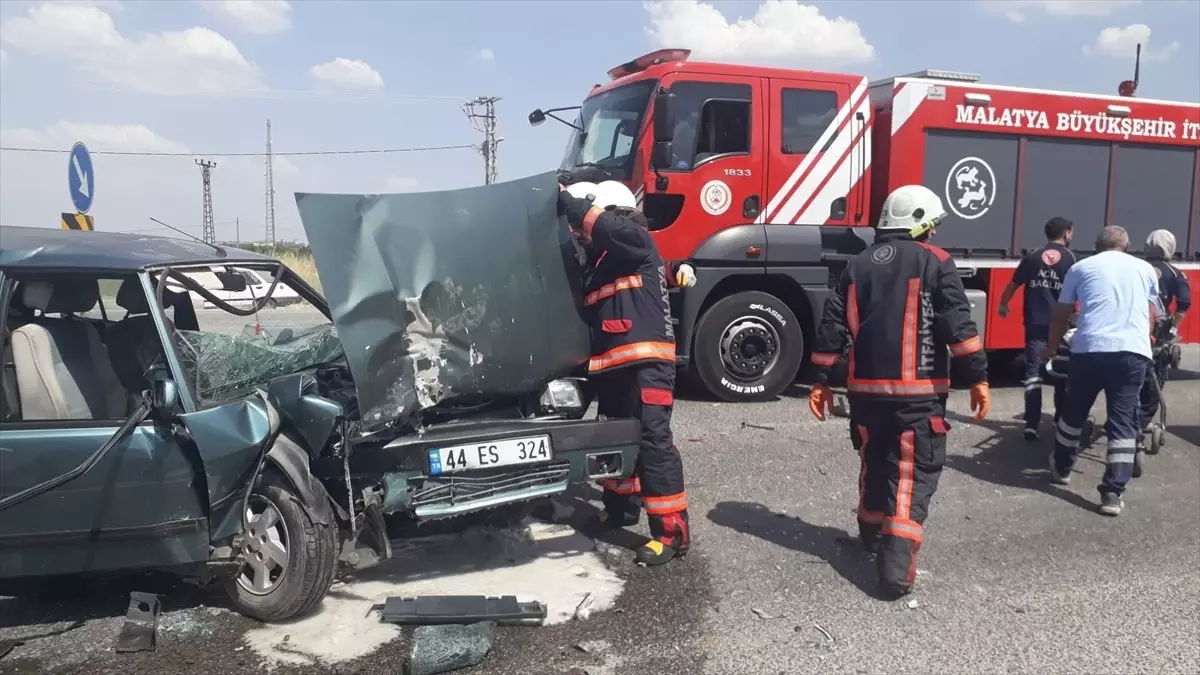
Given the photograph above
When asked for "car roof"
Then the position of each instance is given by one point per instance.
(42, 247)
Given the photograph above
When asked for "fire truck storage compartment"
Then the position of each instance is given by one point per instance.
(988, 185)
(976, 175)
(979, 309)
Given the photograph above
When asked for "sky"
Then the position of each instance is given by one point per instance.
(199, 77)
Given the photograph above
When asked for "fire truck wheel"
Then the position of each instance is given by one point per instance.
(748, 347)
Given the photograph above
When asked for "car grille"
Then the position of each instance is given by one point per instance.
(450, 495)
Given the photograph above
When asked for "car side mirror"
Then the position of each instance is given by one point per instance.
(165, 396)
(231, 281)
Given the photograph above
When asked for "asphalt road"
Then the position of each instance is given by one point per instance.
(1015, 575)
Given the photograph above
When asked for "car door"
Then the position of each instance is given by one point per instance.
(145, 502)
(815, 154)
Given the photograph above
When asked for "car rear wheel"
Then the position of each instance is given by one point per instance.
(290, 560)
(748, 347)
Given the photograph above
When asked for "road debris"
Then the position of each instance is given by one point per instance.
(441, 649)
(138, 633)
(7, 646)
(584, 609)
(593, 646)
(764, 427)
(824, 632)
(763, 615)
(913, 604)
(431, 610)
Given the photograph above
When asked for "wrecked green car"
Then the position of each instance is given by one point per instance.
(263, 448)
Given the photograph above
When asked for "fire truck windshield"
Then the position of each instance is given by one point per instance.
(610, 123)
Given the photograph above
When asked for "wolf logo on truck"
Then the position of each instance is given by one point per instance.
(970, 188)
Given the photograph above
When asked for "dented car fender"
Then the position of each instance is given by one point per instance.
(291, 459)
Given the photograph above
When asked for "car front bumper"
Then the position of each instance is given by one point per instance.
(584, 451)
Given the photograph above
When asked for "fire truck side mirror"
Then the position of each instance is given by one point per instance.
(664, 118)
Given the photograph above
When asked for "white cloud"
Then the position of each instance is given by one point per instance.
(779, 30)
(487, 54)
(98, 137)
(350, 73)
(401, 184)
(1019, 10)
(191, 61)
(1121, 43)
(255, 16)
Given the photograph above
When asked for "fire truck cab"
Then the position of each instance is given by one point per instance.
(767, 180)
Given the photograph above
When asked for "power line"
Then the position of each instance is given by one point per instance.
(379, 151)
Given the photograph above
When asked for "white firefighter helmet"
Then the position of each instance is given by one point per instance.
(608, 194)
(911, 209)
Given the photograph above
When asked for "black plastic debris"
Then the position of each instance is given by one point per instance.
(141, 624)
(450, 609)
(7, 646)
(441, 649)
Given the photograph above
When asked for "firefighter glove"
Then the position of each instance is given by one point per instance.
(981, 400)
(820, 401)
(685, 276)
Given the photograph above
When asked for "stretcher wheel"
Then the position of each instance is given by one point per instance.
(1158, 440)
(1138, 459)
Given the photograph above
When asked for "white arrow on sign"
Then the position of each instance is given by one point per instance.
(83, 184)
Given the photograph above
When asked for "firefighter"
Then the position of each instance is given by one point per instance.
(1172, 286)
(625, 286)
(897, 309)
(1041, 273)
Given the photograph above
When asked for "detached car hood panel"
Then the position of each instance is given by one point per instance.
(445, 296)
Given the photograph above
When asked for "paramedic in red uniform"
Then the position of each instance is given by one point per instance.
(633, 356)
(897, 309)
(1041, 273)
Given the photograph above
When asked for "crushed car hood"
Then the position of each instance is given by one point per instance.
(448, 296)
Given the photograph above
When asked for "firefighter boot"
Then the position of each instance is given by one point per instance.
(671, 539)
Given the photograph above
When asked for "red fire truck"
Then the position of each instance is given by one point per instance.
(768, 180)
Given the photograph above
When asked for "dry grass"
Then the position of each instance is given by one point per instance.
(301, 262)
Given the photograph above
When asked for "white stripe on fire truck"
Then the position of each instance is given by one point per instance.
(637, 196)
(829, 159)
(847, 172)
(780, 197)
(908, 97)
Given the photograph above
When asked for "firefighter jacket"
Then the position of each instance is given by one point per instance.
(897, 309)
(624, 290)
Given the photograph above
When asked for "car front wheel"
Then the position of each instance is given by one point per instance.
(290, 560)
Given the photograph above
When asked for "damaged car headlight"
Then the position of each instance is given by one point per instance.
(562, 396)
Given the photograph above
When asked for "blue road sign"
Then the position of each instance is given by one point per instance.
(81, 179)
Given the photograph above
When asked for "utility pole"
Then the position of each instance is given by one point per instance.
(482, 113)
(237, 230)
(210, 228)
(270, 196)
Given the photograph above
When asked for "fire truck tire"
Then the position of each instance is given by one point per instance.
(748, 347)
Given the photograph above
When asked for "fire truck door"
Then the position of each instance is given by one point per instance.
(717, 152)
(812, 159)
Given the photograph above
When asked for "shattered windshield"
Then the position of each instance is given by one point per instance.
(225, 356)
(611, 122)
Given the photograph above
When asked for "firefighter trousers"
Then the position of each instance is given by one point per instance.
(646, 392)
(901, 448)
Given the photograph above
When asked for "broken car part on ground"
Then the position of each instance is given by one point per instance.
(264, 460)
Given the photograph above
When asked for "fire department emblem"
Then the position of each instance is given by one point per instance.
(1051, 257)
(970, 188)
(715, 197)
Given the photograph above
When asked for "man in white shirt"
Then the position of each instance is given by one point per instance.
(1118, 296)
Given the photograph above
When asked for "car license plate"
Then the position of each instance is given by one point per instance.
(507, 452)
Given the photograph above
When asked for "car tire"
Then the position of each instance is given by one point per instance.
(311, 558)
(748, 347)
